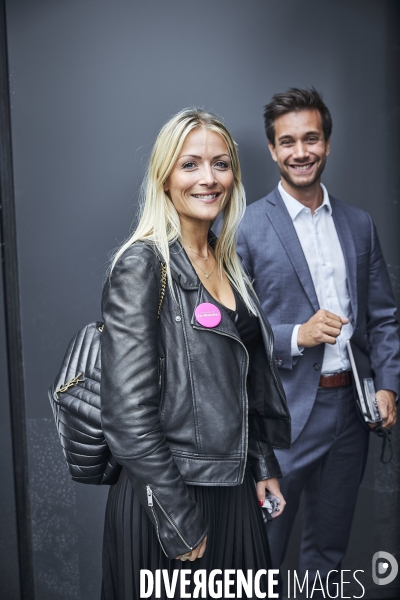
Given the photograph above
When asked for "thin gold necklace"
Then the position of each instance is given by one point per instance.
(198, 254)
(208, 275)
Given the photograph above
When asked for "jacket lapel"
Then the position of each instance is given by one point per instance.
(184, 274)
(225, 327)
(283, 225)
(349, 252)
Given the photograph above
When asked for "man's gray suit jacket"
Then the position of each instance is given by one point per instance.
(273, 257)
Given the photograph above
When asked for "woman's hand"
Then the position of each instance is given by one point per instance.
(195, 553)
(272, 485)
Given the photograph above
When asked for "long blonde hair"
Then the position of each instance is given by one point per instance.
(159, 221)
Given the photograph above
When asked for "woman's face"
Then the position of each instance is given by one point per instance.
(201, 180)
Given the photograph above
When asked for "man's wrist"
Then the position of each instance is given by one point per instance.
(391, 393)
(296, 350)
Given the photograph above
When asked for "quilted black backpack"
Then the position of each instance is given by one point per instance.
(76, 402)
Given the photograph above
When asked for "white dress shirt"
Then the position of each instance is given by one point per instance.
(323, 252)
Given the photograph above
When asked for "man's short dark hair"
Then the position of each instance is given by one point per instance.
(295, 100)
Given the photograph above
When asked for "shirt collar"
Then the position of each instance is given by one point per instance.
(295, 207)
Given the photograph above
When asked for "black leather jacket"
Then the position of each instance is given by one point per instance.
(180, 402)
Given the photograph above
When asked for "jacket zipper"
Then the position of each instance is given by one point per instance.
(160, 371)
(150, 496)
(150, 503)
(245, 392)
(160, 381)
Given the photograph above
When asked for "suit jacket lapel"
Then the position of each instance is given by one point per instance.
(349, 252)
(283, 225)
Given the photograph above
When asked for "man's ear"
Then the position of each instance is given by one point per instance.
(273, 152)
(328, 146)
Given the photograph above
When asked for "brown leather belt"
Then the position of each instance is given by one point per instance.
(335, 380)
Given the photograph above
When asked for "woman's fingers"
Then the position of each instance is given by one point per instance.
(203, 546)
(281, 506)
(272, 485)
(277, 492)
(197, 552)
(261, 487)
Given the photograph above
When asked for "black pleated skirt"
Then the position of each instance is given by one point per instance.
(236, 538)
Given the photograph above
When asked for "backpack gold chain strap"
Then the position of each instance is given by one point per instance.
(163, 286)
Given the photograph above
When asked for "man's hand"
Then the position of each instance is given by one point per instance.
(323, 328)
(387, 407)
(195, 553)
(272, 485)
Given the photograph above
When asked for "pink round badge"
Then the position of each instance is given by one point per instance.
(208, 315)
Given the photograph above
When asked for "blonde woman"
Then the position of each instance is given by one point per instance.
(191, 398)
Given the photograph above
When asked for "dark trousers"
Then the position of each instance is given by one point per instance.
(325, 463)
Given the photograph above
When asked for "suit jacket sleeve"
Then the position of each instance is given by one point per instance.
(130, 398)
(382, 325)
(282, 332)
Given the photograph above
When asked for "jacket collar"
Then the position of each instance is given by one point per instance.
(283, 225)
(295, 207)
(182, 270)
(186, 277)
(226, 325)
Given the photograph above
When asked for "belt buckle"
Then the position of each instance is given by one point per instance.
(345, 377)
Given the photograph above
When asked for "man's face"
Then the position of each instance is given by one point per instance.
(300, 148)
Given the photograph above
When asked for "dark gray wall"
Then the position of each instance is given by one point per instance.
(92, 81)
(9, 570)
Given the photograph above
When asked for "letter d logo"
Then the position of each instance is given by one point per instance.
(384, 568)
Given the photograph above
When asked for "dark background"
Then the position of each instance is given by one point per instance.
(91, 83)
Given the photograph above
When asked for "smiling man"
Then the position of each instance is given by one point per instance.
(321, 278)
